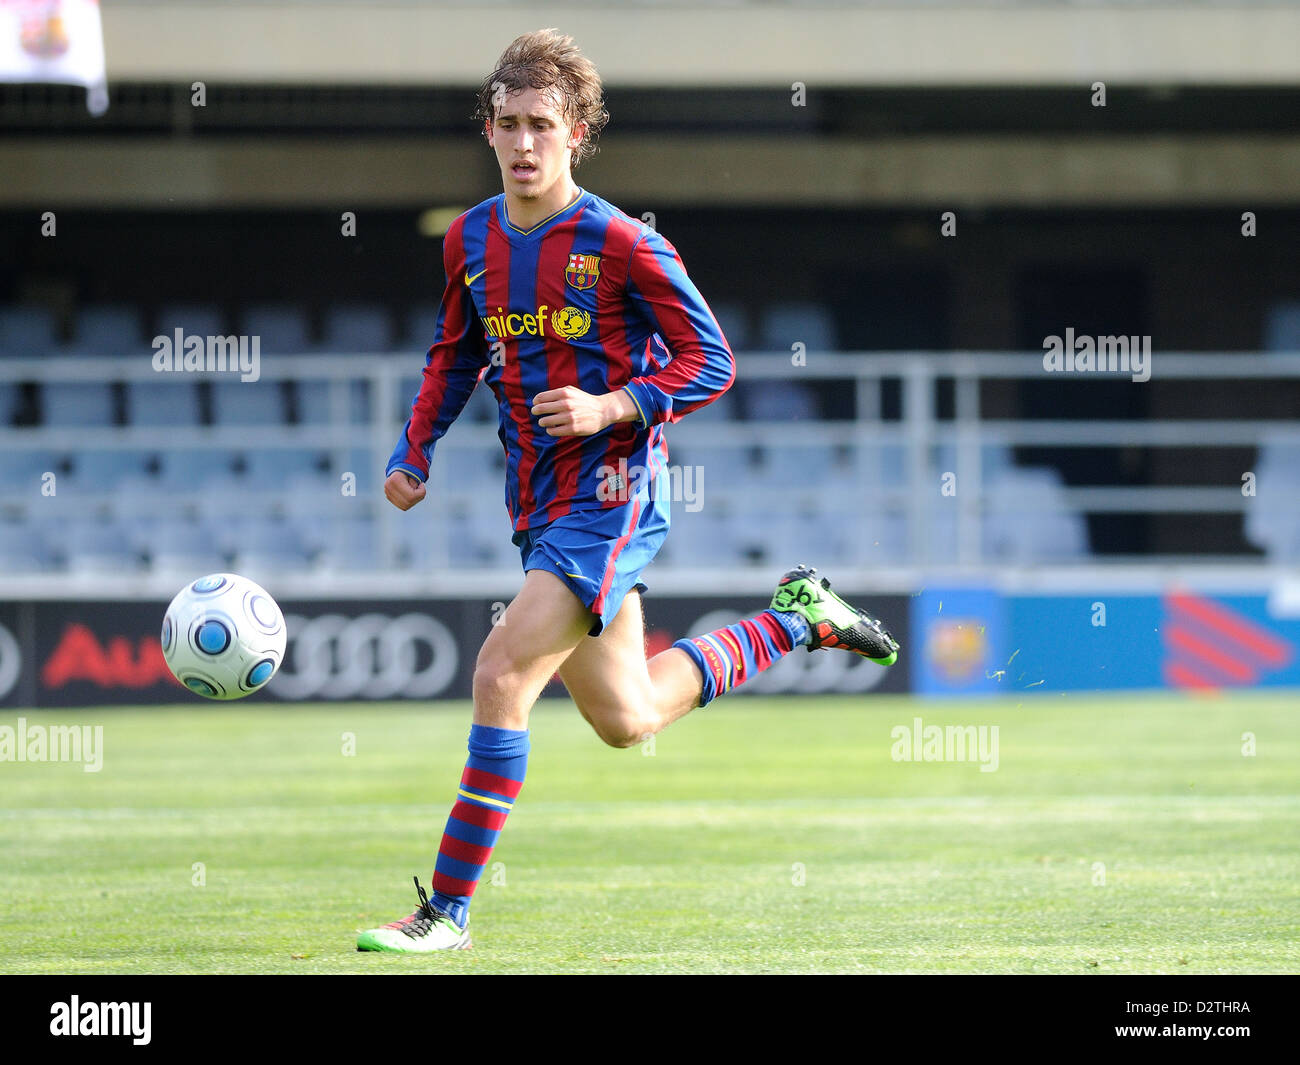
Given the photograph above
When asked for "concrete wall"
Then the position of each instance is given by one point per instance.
(731, 44)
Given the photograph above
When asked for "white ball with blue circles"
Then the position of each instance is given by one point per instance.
(223, 636)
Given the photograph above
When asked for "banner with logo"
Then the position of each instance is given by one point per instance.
(1182, 639)
(59, 41)
(972, 642)
(956, 641)
(98, 653)
(960, 642)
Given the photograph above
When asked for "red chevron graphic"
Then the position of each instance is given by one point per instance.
(1208, 645)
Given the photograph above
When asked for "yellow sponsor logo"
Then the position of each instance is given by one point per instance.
(566, 322)
(571, 322)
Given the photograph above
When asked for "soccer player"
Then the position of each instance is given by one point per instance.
(591, 336)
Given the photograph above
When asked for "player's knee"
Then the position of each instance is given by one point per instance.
(622, 728)
(496, 677)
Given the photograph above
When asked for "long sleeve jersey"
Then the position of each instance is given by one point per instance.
(588, 297)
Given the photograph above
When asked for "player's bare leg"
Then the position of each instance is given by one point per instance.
(625, 698)
(622, 696)
(537, 633)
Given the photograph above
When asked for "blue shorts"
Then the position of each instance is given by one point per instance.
(599, 554)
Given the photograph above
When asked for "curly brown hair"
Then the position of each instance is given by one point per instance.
(549, 61)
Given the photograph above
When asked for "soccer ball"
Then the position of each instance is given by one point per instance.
(223, 636)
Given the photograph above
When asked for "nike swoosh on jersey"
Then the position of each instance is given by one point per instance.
(470, 280)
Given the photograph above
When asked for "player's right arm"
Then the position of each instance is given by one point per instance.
(456, 358)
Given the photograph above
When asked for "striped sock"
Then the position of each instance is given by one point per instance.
(731, 656)
(493, 776)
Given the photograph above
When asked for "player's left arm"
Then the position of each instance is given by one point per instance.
(702, 366)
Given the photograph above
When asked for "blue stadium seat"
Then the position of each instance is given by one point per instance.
(171, 400)
(93, 546)
(322, 402)
(779, 401)
(21, 472)
(24, 548)
(1282, 328)
(722, 464)
(11, 402)
(194, 319)
(1272, 519)
(733, 320)
(725, 408)
(420, 322)
(180, 545)
(358, 328)
(785, 324)
(348, 544)
(996, 458)
(70, 405)
(27, 332)
(187, 470)
(782, 326)
(104, 471)
(407, 389)
(798, 464)
(108, 330)
(266, 469)
(1028, 521)
(364, 463)
(479, 531)
(420, 540)
(705, 538)
(265, 547)
(282, 329)
(260, 402)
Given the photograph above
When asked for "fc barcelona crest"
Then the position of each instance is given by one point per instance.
(583, 271)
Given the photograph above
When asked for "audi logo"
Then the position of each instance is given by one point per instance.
(800, 672)
(372, 656)
(11, 661)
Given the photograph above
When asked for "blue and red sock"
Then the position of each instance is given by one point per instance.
(732, 655)
(493, 776)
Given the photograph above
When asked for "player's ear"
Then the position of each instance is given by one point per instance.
(487, 130)
(577, 134)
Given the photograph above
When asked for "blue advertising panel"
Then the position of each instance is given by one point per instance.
(959, 641)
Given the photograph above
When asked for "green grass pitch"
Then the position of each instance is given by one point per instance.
(1117, 835)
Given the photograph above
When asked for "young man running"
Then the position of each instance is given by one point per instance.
(585, 326)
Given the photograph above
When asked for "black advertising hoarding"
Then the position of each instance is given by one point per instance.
(95, 654)
(98, 653)
(64, 653)
(830, 672)
(363, 650)
(17, 649)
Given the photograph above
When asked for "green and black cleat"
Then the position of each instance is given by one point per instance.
(426, 930)
(831, 621)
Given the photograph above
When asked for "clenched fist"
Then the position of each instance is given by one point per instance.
(403, 490)
(569, 411)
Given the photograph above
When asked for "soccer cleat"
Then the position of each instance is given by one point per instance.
(831, 621)
(427, 929)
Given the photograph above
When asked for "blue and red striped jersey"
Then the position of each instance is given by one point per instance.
(588, 297)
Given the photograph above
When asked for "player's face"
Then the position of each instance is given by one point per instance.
(533, 145)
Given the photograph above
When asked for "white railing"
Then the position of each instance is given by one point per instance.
(868, 493)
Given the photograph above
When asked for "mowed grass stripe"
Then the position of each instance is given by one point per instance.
(761, 836)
